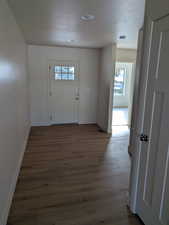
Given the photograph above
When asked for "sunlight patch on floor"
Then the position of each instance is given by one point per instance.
(118, 131)
(120, 116)
(120, 122)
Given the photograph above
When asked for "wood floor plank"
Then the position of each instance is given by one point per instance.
(72, 175)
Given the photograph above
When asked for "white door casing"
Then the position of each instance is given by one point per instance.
(136, 125)
(136, 94)
(153, 187)
(63, 96)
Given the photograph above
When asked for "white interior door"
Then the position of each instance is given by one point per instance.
(64, 93)
(153, 189)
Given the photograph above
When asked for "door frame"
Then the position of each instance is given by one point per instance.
(49, 92)
(111, 90)
(132, 92)
(144, 68)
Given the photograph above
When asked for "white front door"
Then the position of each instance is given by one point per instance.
(153, 189)
(64, 93)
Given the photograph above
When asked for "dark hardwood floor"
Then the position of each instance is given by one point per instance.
(73, 175)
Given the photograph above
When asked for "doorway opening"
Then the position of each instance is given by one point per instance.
(122, 99)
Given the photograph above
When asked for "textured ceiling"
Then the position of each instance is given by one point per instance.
(54, 22)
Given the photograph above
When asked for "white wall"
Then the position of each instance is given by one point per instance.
(14, 115)
(125, 56)
(107, 69)
(39, 57)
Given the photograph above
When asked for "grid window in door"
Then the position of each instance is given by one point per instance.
(64, 72)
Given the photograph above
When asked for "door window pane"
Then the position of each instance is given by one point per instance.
(58, 76)
(71, 76)
(58, 69)
(65, 69)
(71, 69)
(62, 72)
(64, 76)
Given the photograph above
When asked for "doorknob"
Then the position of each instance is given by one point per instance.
(144, 137)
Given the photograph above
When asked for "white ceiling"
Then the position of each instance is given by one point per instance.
(54, 22)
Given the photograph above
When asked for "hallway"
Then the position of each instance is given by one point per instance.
(73, 175)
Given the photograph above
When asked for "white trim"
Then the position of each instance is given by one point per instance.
(5, 213)
(111, 90)
(136, 92)
(134, 145)
(87, 123)
(40, 124)
(111, 98)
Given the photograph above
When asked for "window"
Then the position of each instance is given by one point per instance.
(64, 72)
(119, 82)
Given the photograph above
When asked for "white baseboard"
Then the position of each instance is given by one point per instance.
(40, 124)
(120, 107)
(3, 220)
(86, 123)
